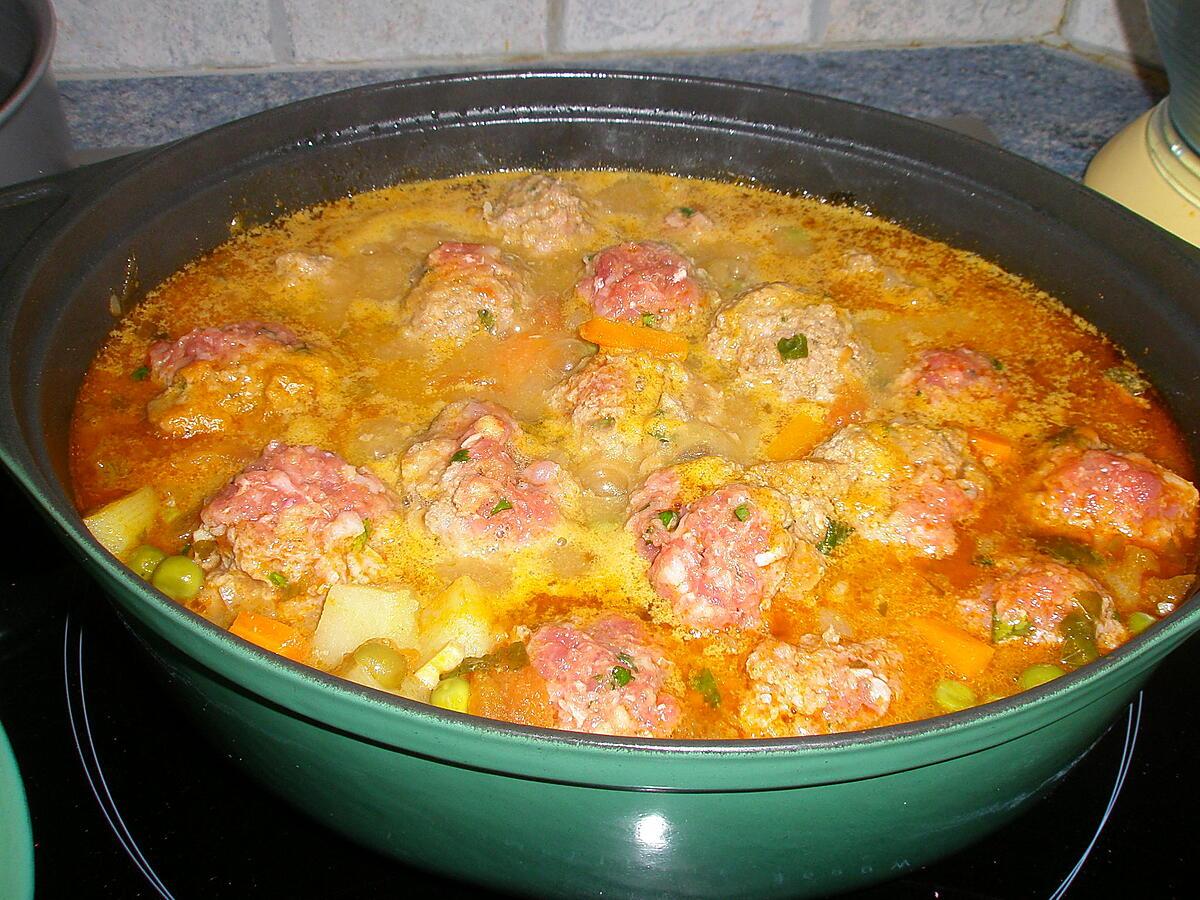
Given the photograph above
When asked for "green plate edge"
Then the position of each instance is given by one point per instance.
(16, 836)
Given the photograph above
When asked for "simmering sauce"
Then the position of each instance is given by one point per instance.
(635, 454)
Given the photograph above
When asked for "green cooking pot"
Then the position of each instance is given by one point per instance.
(16, 840)
(549, 812)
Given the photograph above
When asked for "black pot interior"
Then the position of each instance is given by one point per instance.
(1132, 280)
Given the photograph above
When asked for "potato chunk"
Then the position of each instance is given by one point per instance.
(119, 525)
(461, 616)
(354, 614)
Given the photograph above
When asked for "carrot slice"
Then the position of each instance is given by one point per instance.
(623, 336)
(799, 434)
(811, 425)
(967, 655)
(270, 634)
(990, 446)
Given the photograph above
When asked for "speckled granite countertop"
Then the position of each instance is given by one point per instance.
(1055, 107)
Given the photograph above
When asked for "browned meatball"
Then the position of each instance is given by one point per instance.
(541, 213)
(646, 283)
(818, 686)
(477, 490)
(605, 679)
(1087, 491)
(627, 405)
(467, 290)
(298, 517)
(1031, 598)
(718, 554)
(215, 378)
(786, 341)
(903, 483)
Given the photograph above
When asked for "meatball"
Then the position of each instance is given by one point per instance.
(295, 268)
(605, 679)
(954, 373)
(226, 344)
(1086, 491)
(818, 686)
(1030, 601)
(645, 283)
(476, 489)
(299, 517)
(902, 483)
(619, 403)
(466, 290)
(719, 559)
(687, 221)
(541, 213)
(213, 378)
(780, 338)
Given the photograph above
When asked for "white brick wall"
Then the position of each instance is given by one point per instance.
(899, 21)
(161, 34)
(589, 26)
(324, 31)
(97, 36)
(1119, 27)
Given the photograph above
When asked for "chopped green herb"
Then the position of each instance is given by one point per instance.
(360, 542)
(487, 320)
(835, 535)
(141, 373)
(627, 661)
(606, 422)
(1006, 631)
(687, 211)
(1079, 640)
(794, 347)
(997, 365)
(460, 456)
(1140, 621)
(742, 513)
(659, 430)
(649, 320)
(985, 561)
(511, 656)
(501, 505)
(619, 677)
(669, 518)
(1069, 551)
(1128, 379)
(706, 683)
(1090, 603)
(278, 580)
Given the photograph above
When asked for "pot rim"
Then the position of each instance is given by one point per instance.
(1154, 642)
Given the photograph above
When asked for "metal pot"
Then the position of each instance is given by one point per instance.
(532, 810)
(33, 129)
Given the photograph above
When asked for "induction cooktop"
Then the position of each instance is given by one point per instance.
(128, 799)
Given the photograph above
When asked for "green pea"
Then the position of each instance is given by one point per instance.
(385, 664)
(1038, 674)
(144, 560)
(452, 693)
(178, 577)
(1140, 621)
(953, 695)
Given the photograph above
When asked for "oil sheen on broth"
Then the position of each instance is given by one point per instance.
(635, 454)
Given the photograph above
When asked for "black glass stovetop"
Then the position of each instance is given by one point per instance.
(128, 799)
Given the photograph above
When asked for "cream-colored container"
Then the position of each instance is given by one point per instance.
(1149, 168)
